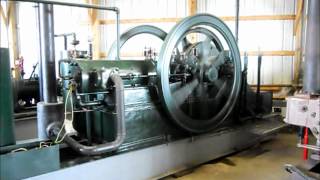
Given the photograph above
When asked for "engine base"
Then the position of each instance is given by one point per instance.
(162, 160)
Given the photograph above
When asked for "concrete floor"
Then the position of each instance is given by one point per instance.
(265, 161)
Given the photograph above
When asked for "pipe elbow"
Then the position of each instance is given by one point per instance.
(120, 126)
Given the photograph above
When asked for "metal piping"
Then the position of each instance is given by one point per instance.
(47, 53)
(120, 125)
(258, 96)
(118, 34)
(65, 38)
(89, 6)
(39, 69)
(311, 82)
(237, 20)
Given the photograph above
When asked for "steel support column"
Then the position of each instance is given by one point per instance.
(49, 111)
(48, 71)
(311, 81)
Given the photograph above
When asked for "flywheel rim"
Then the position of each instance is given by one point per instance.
(142, 29)
(163, 65)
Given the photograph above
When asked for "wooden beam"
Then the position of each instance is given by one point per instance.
(192, 10)
(272, 85)
(250, 53)
(270, 53)
(192, 6)
(12, 35)
(260, 18)
(3, 19)
(95, 29)
(141, 21)
(224, 18)
(297, 33)
(297, 20)
(12, 31)
(267, 88)
(3, 15)
(125, 54)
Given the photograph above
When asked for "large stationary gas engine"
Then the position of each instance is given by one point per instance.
(191, 87)
(184, 105)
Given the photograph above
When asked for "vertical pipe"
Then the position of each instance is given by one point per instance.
(118, 34)
(47, 54)
(258, 99)
(245, 76)
(259, 73)
(311, 83)
(49, 111)
(90, 50)
(88, 123)
(88, 128)
(65, 42)
(6, 100)
(237, 20)
(40, 61)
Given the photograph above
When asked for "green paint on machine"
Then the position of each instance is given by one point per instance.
(6, 106)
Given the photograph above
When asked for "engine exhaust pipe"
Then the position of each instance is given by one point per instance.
(120, 125)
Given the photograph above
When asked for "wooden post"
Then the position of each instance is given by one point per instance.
(192, 7)
(3, 18)
(297, 33)
(95, 28)
(13, 34)
(192, 4)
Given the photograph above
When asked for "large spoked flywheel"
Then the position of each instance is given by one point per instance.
(199, 72)
(142, 29)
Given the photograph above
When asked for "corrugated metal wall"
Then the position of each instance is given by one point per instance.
(266, 35)
(142, 9)
(270, 35)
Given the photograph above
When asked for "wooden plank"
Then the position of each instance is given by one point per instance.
(270, 53)
(224, 18)
(250, 53)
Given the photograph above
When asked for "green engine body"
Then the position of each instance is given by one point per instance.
(146, 121)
